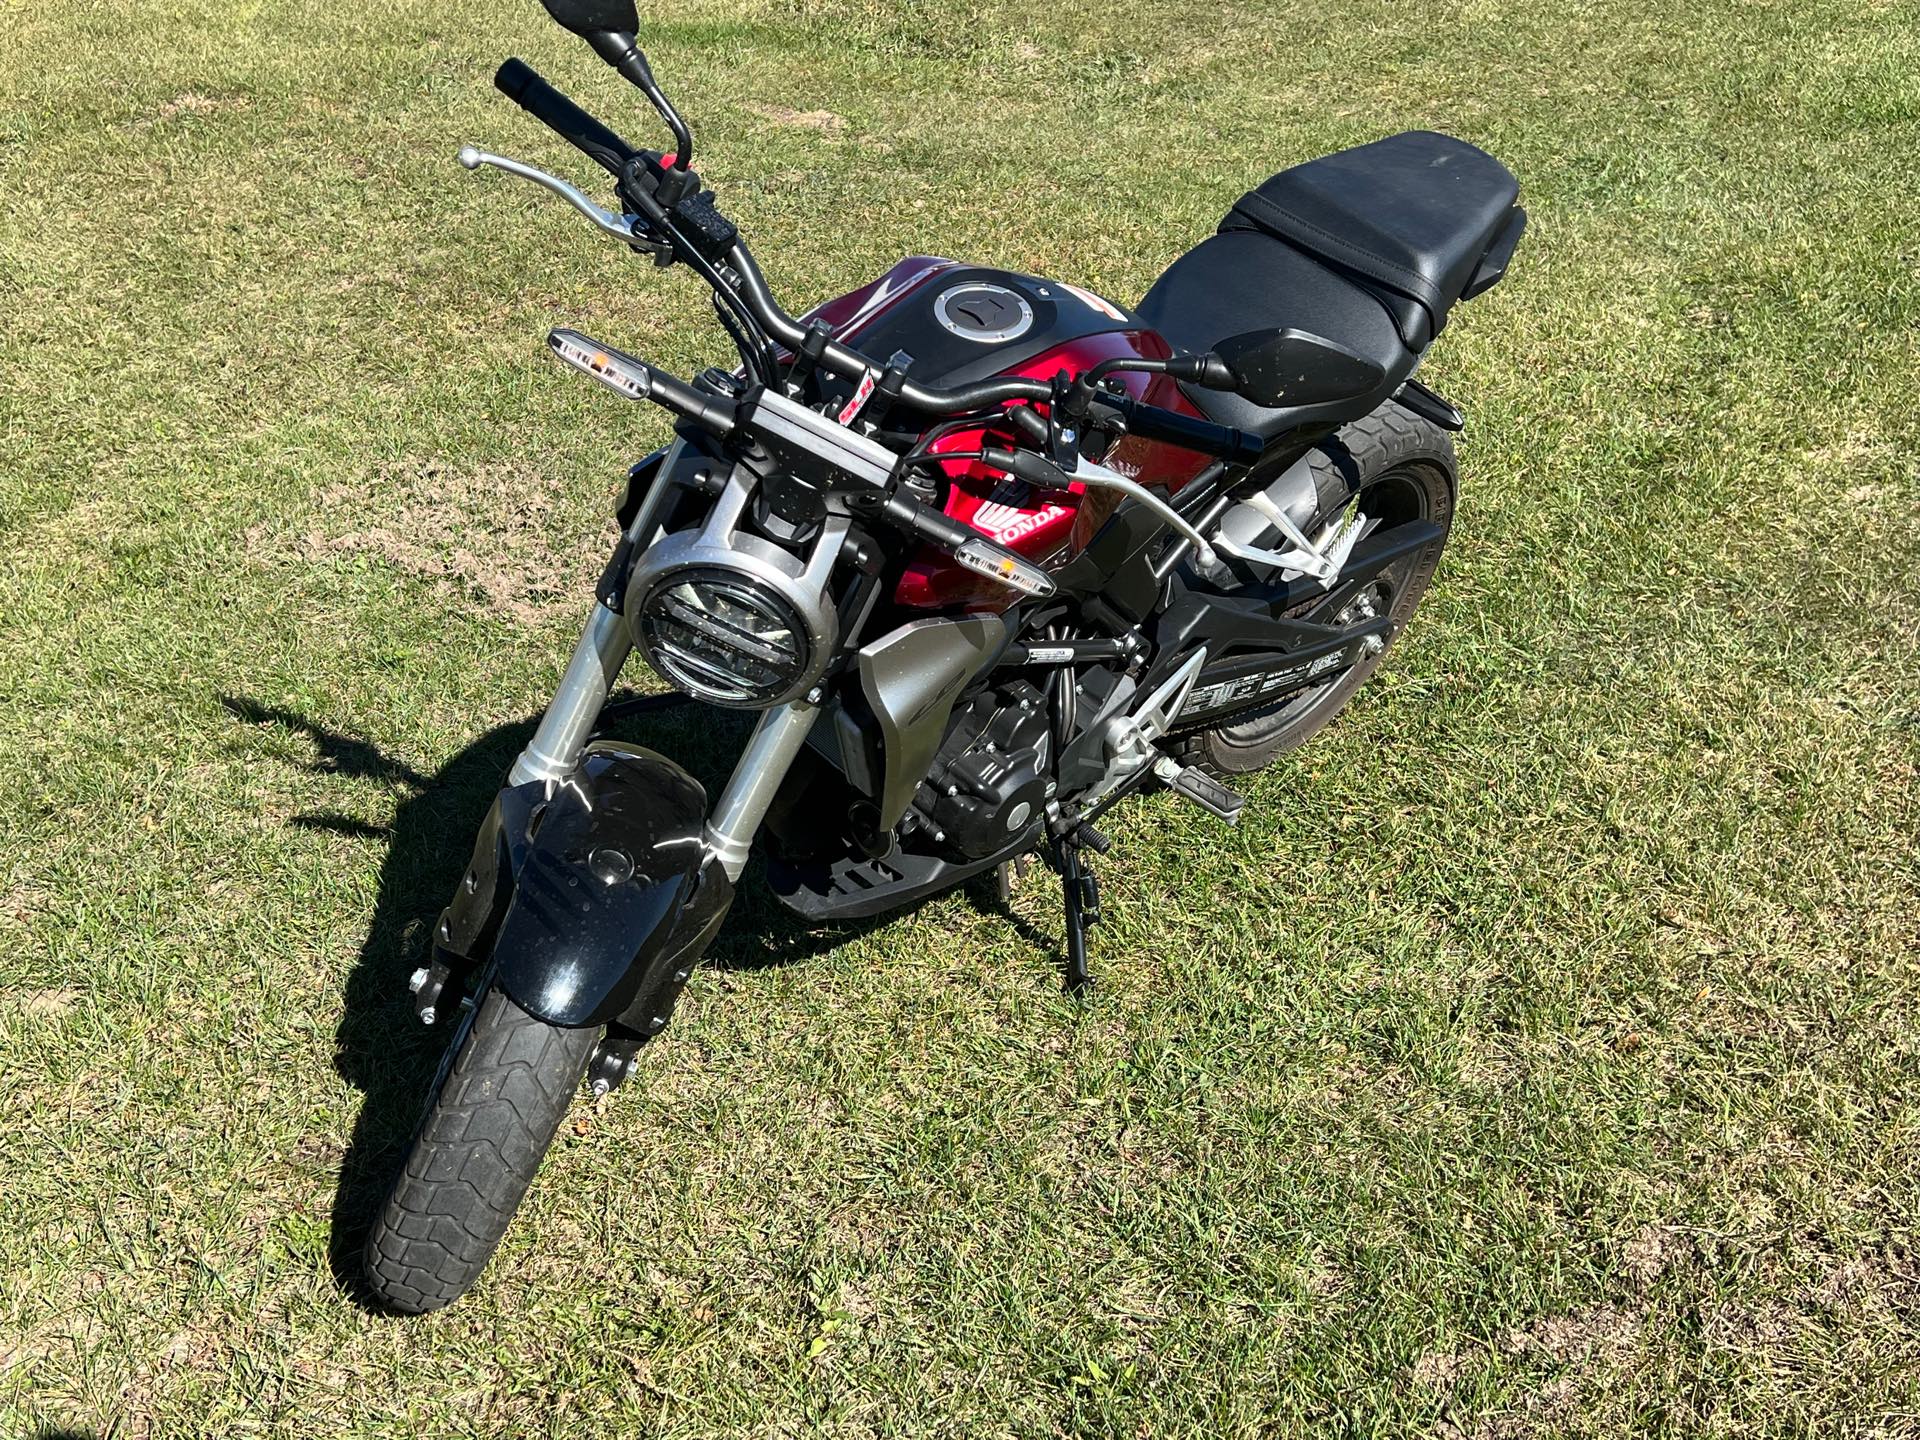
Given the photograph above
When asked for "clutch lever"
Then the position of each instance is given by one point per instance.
(620, 227)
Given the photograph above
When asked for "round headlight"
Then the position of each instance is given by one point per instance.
(722, 636)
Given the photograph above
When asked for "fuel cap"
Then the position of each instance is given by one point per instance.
(983, 312)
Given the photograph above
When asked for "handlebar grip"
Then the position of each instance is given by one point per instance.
(1150, 422)
(706, 410)
(522, 84)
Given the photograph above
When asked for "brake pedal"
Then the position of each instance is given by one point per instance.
(1201, 788)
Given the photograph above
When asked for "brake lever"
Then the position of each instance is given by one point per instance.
(620, 227)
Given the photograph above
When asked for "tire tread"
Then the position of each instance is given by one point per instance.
(474, 1155)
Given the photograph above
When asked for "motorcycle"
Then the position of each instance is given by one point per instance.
(984, 552)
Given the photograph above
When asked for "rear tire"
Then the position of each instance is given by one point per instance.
(1402, 467)
(491, 1114)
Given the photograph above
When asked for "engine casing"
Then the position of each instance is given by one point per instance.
(988, 784)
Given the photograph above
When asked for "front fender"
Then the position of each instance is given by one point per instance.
(592, 897)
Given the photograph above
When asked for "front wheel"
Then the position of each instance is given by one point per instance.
(1399, 468)
(493, 1110)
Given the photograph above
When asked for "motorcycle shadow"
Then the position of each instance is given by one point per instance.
(381, 1049)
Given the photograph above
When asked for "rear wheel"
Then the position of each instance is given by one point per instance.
(491, 1114)
(1401, 468)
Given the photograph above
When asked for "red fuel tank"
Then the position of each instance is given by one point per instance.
(952, 324)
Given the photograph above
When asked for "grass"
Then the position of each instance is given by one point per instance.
(1538, 1058)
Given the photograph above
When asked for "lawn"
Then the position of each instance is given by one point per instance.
(1540, 1055)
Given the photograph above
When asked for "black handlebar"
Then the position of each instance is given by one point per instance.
(1154, 422)
(522, 84)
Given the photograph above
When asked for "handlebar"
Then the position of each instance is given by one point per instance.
(852, 365)
(1149, 422)
(1156, 422)
(750, 293)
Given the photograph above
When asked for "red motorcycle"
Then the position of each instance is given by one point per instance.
(984, 552)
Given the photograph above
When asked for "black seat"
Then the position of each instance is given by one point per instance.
(1422, 219)
(1243, 280)
(1369, 247)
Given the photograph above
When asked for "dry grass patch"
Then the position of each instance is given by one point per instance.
(488, 535)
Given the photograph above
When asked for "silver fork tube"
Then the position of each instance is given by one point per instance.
(770, 753)
(576, 705)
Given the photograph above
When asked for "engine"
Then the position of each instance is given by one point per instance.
(988, 784)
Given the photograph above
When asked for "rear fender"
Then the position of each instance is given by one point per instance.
(592, 898)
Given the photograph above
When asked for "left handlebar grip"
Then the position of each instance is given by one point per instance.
(1152, 422)
(522, 84)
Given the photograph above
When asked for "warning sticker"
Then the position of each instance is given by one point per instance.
(851, 410)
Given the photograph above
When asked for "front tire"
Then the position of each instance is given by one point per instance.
(493, 1110)
(1402, 469)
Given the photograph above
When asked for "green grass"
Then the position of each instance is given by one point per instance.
(1540, 1055)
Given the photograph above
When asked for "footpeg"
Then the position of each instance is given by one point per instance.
(1196, 785)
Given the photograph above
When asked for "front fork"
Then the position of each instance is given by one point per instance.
(554, 752)
(601, 873)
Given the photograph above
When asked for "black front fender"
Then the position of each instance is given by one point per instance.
(592, 897)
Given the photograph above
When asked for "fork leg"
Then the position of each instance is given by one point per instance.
(555, 747)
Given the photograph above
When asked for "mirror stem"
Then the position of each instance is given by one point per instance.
(635, 70)
(623, 55)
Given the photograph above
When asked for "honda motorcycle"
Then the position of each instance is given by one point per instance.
(983, 552)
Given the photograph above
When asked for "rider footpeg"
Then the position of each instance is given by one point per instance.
(1196, 785)
(1089, 838)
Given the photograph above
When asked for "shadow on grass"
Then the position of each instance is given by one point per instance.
(381, 1047)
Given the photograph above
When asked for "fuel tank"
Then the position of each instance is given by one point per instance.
(950, 324)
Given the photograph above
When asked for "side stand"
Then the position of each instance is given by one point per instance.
(1081, 893)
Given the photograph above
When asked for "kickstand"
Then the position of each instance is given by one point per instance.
(1082, 894)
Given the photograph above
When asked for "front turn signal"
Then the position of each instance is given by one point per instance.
(614, 369)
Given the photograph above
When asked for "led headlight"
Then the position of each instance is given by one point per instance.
(722, 636)
(729, 616)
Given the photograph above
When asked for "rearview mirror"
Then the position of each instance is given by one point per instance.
(590, 18)
(1291, 368)
(609, 26)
